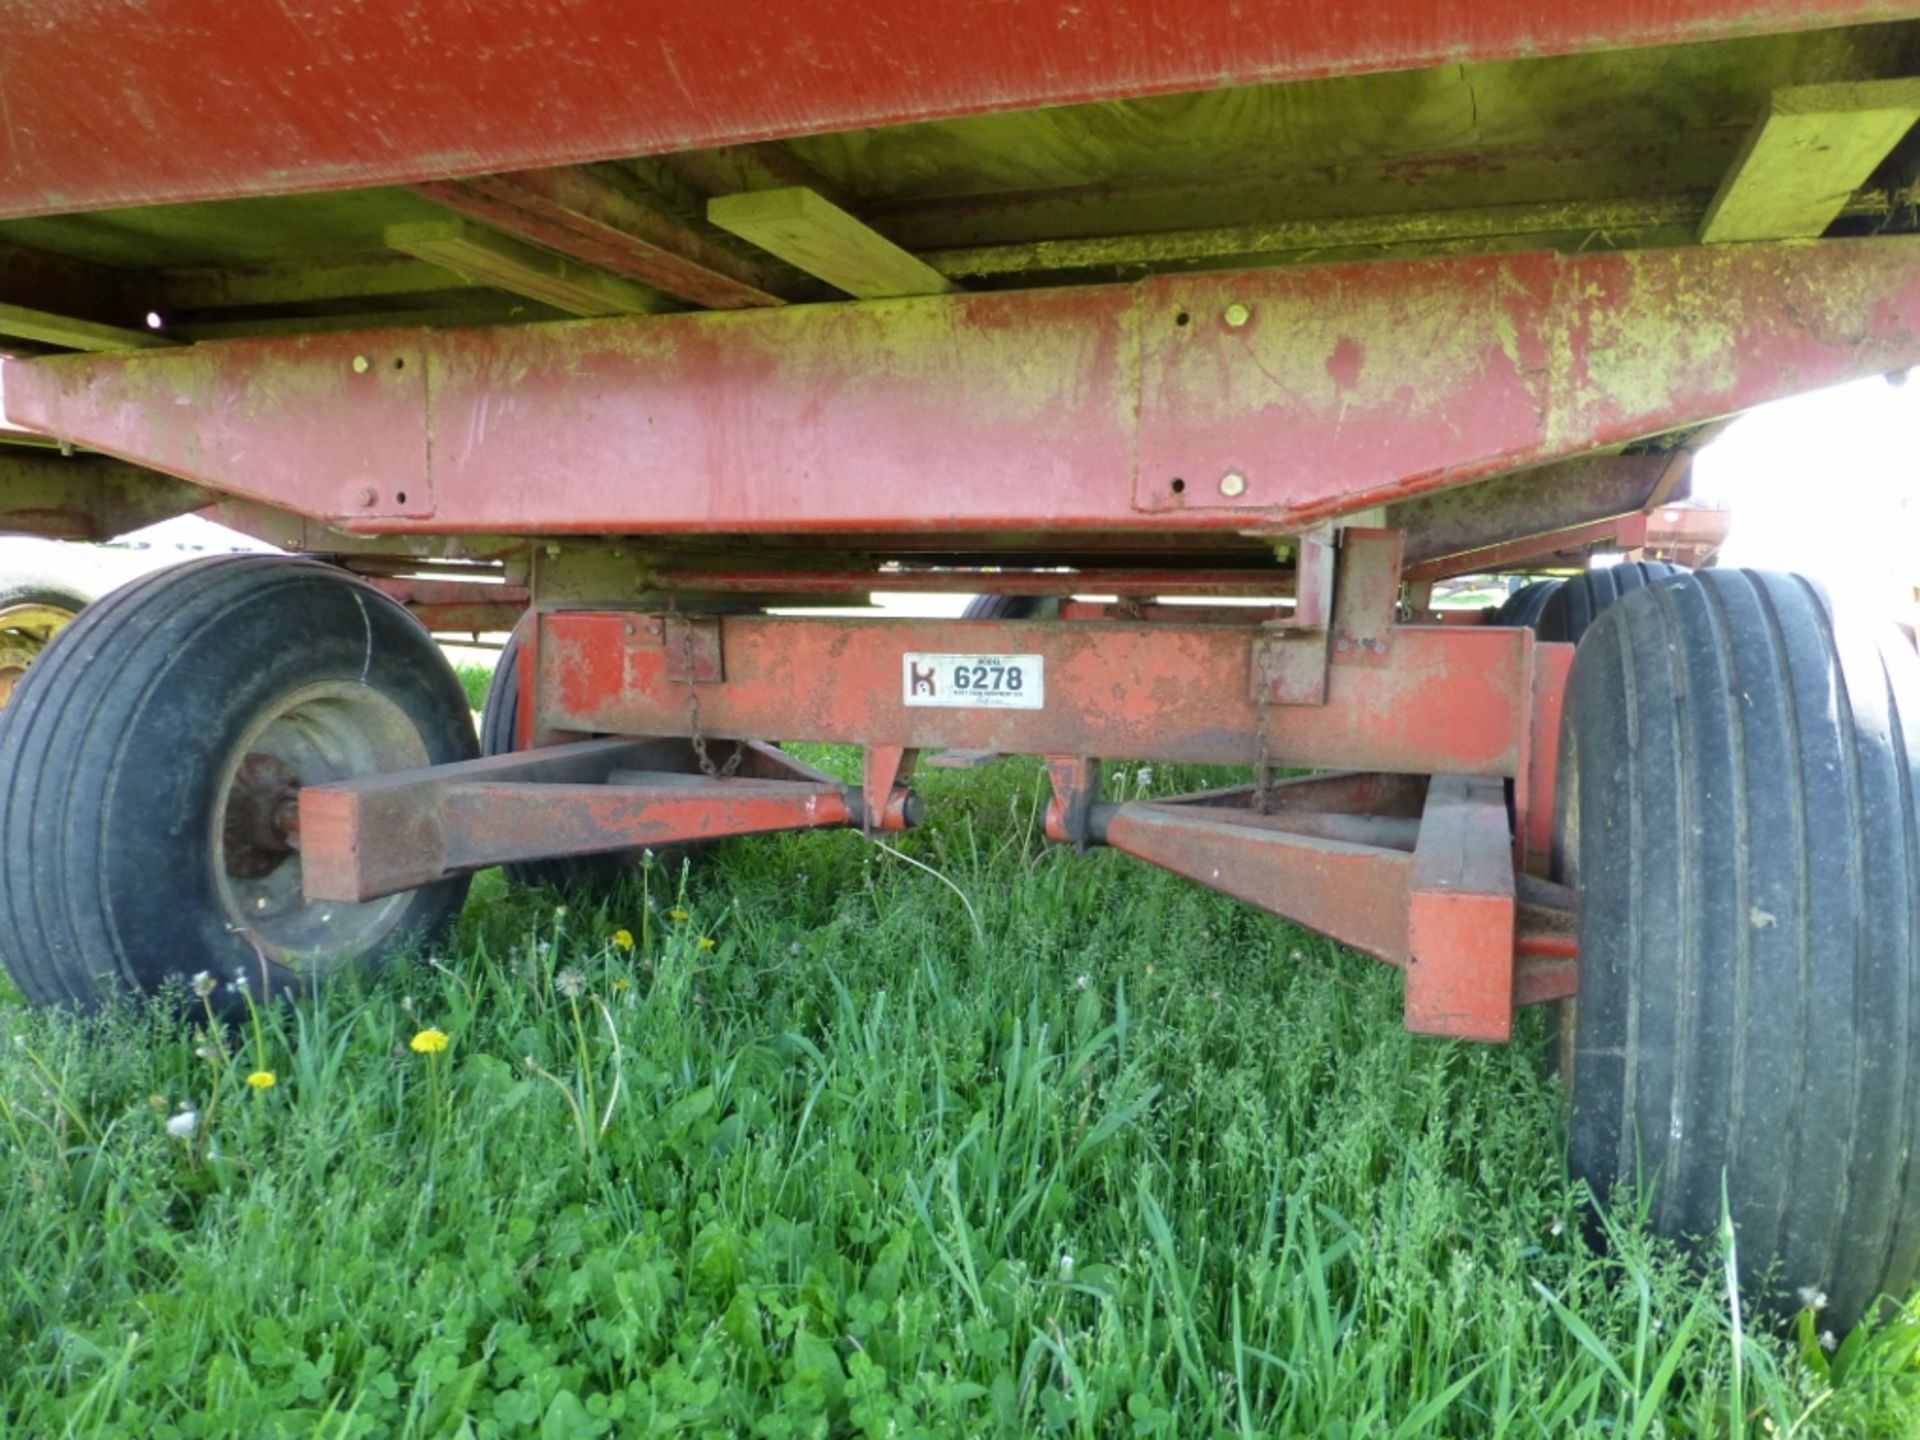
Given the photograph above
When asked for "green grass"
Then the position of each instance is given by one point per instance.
(476, 680)
(1106, 1155)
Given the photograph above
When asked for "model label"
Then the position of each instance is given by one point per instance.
(981, 682)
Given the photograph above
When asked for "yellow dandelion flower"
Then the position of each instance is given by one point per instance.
(707, 943)
(622, 939)
(622, 983)
(676, 914)
(428, 1042)
(262, 1080)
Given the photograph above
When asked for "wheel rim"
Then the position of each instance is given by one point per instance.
(338, 730)
(24, 633)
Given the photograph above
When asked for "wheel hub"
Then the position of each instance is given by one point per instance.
(322, 733)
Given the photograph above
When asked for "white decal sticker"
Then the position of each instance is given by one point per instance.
(977, 682)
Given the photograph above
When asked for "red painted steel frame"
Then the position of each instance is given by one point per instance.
(111, 105)
(362, 839)
(1435, 896)
(1430, 700)
(1349, 385)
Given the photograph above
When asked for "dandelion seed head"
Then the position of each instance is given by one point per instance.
(203, 984)
(182, 1126)
(1082, 982)
(1827, 1341)
(570, 983)
(1813, 1298)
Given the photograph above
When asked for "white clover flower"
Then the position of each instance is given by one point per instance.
(182, 1126)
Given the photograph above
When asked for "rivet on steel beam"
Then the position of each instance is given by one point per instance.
(366, 495)
(1342, 645)
(1236, 315)
(1233, 484)
(361, 364)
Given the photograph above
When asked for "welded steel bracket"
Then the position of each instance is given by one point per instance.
(1346, 600)
(885, 770)
(691, 644)
(1076, 786)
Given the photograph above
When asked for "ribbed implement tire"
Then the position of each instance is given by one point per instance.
(1522, 608)
(1569, 612)
(1737, 809)
(1003, 607)
(117, 757)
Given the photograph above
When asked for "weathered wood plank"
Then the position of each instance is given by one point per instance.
(24, 323)
(588, 216)
(1803, 160)
(813, 234)
(507, 264)
(304, 282)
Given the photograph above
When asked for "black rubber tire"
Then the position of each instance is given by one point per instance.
(116, 758)
(1522, 608)
(1569, 612)
(590, 875)
(1006, 607)
(1737, 809)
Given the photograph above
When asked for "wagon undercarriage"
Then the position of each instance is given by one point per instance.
(1203, 348)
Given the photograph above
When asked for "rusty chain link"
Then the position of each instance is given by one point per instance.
(707, 767)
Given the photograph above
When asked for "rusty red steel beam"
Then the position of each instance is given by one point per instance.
(1141, 407)
(361, 839)
(1468, 518)
(1622, 532)
(321, 96)
(1269, 581)
(1356, 894)
(1460, 913)
(454, 606)
(1445, 906)
(1429, 700)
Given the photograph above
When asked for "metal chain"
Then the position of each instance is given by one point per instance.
(707, 767)
(1263, 759)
